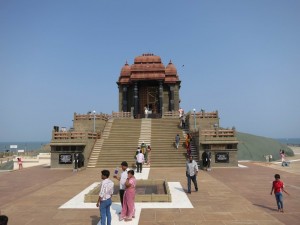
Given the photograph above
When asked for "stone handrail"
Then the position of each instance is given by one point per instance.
(205, 114)
(91, 116)
(218, 133)
(75, 135)
(171, 114)
(120, 115)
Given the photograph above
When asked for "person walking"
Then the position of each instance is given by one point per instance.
(208, 160)
(136, 153)
(177, 140)
(128, 210)
(282, 156)
(139, 162)
(181, 112)
(183, 118)
(122, 179)
(188, 143)
(278, 187)
(149, 154)
(191, 173)
(204, 160)
(104, 200)
(20, 163)
(146, 111)
(143, 147)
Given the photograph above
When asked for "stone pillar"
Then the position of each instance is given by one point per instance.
(171, 97)
(120, 98)
(161, 103)
(124, 102)
(135, 98)
(131, 111)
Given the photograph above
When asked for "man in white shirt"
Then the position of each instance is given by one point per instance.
(191, 173)
(139, 162)
(104, 200)
(122, 179)
(181, 112)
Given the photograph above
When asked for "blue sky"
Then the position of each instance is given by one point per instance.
(58, 57)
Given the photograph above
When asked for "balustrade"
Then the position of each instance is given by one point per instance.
(76, 135)
(171, 114)
(205, 114)
(217, 133)
(120, 115)
(91, 116)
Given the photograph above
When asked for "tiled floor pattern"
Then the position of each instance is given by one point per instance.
(179, 200)
(226, 197)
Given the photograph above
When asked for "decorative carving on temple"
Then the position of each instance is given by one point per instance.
(148, 67)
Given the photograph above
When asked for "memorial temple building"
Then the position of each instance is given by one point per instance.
(105, 140)
(148, 83)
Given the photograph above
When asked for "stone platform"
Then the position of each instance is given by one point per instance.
(230, 196)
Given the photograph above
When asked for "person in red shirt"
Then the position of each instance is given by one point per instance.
(278, 187)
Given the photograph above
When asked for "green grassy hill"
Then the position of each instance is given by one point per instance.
(7, 165)
(254, 148)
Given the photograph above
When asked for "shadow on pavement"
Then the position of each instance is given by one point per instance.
(266, 207)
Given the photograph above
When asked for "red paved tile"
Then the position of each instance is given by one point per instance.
(254, 183)
(19, 183)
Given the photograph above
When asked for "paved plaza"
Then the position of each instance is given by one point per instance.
(226, 196)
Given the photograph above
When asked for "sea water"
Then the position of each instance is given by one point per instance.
(289, 141)
(26, 146)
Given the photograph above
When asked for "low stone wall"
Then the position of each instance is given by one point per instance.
(30, 161)
(93, 195)
(86, 147)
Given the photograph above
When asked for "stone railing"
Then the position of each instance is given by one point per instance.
(121, 115)
(205, 114)
(171, 114)
(91, 116)
(217, 134)
(75, 135)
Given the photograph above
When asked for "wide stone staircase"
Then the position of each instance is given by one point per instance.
(121, 138)
(145, 133)
(99, 143)
(120, 145)
(193, 147)
(164, 153)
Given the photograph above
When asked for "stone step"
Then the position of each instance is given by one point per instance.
(126, 135)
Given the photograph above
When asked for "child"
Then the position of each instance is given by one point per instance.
(20, 163)
(278, 187)
(282, 156)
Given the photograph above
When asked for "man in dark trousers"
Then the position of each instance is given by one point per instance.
(204, 159)
(139, 162)
(208, 160)
(122, 179)
(177, 140)
(191, 173)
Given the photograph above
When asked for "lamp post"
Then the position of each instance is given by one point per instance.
(194, 118)
(94, 112)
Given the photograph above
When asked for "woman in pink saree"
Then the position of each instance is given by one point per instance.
(128, 210)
